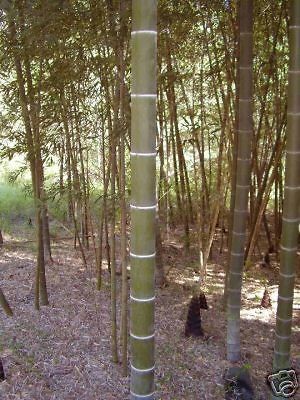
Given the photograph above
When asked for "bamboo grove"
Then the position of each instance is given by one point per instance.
(79, 94)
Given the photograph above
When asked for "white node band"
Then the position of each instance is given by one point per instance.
(150, 32)
(142, 255)
(281, 353)
(234, 306)
(285, 298)
(234, 290)
(293, 153)
(290, 249)
(238, 233)
(142, 370)
(144, 95)
(243, 186)
(289, 276)
(133, 154)
(144, 396)
(284, 319)
(294, 114)
(297, 220)
(241, 211)
(292, 187)
(143, 207)
(237, 254)
(244, 159)
(236, 273)
(282, 337)
(149, 299)
(142, 337)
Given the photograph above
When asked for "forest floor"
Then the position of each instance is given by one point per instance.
(63, 352)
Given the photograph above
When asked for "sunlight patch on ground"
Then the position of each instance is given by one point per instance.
(220, 274)
(252, 313)
(184, 280)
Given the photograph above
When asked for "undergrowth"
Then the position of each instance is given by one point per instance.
(16, 206)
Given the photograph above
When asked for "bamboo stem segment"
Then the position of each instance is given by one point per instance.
(143, 201)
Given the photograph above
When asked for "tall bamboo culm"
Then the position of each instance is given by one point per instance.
(245, 131)
(291, 205)
(143, 201)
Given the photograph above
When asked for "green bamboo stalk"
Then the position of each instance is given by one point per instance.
(245, 131)
(143, 202)
(291, 211)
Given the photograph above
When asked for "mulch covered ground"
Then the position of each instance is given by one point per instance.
(63, 352)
